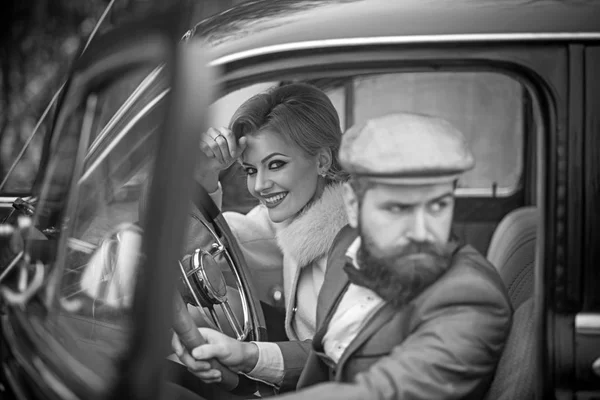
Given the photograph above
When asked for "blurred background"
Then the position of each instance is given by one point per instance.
(40, 39)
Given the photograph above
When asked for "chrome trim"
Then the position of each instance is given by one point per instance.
(10, 266)
(487, 192)
(587, 323)
(199, 272)
(243, 299)
(123, 109)
(81, 245)
(7, 200)
(233, 322)
(121, 135)
(11, 199)
(196, 299)
(405, 39)
(596, 367)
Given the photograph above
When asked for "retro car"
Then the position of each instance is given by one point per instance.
(520, 78)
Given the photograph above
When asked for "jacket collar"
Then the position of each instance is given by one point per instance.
(310, 235)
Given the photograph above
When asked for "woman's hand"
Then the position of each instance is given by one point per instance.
(222, 149)
(235, 355)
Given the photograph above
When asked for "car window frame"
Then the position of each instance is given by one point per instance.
(39, 354)
(540, 67)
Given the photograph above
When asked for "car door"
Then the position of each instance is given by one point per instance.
(538, 78)
(359, 85)
(20, 164)
(50, 346)
(582, 285)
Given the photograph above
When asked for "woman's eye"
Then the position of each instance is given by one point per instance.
(276, 164)
(250, 171)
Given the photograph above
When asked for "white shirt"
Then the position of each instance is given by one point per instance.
(349, 318)
(352, 313)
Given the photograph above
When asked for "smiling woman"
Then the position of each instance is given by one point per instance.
(286, 140)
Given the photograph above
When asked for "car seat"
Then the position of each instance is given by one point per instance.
(512, 251)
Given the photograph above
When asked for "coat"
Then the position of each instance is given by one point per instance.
(444, 344)
(294, 252)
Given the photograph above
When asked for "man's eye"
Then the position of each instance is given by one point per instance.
(250, 171)
(438, 206)
(276, 164)
(397, 209)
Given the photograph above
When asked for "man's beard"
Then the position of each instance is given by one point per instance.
(400, 277)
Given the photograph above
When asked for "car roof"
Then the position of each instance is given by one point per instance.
(272, 24)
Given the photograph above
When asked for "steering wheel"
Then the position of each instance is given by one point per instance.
(203, 284)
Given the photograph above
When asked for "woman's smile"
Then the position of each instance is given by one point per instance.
(273, 200)
(280, 174)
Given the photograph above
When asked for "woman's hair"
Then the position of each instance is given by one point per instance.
(301, 113)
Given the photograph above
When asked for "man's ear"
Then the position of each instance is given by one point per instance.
(352, 206)
(324, 160)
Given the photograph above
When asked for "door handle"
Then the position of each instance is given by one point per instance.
(587, 331)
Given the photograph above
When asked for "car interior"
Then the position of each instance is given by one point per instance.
(495, 207)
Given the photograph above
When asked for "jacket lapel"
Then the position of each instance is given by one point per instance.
(329, 297)
(331, 292)
(335, 283)
(382, 316)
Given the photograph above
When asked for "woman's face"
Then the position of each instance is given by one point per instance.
(280, 174)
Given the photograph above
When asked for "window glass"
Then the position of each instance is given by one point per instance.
(95, 270)
(487, 107)
(337, 95)
(21, 179)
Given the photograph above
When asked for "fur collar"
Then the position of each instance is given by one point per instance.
(310, 235)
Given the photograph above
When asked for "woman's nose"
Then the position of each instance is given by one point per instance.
(262, 182)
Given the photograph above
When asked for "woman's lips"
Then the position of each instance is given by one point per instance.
(274, 200)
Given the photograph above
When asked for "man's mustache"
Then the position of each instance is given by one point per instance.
(426, 248)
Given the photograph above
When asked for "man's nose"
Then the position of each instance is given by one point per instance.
(418, 227)
(262, 182)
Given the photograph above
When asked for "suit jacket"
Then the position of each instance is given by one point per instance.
(445, 344)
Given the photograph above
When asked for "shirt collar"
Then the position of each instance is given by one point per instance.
(352, 252)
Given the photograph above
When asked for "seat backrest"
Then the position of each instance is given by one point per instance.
(512, 251)
(514, 379)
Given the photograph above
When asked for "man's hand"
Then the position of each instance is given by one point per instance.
(237, 356)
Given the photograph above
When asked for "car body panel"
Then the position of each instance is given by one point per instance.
(252, 28)
(551, 46)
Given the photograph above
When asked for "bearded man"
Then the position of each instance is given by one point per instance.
(405, 310)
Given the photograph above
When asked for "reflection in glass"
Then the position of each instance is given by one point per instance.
(109, 275)
(96, 279)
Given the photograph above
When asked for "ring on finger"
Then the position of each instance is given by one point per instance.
(219, 136)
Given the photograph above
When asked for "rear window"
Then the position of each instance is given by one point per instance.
(487, 107)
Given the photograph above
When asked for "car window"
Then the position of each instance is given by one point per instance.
(487, 107)
(233, 180)
(21, 179)
(96, 272)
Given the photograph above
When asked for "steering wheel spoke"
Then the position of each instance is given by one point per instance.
(215, 318)
(233, 322)
(203, 284)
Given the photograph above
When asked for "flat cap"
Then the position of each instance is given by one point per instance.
(406, 148)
